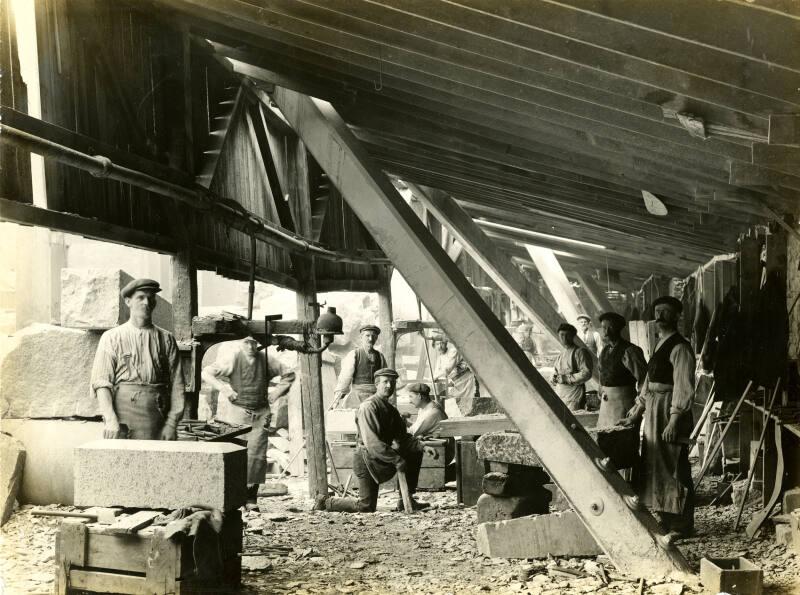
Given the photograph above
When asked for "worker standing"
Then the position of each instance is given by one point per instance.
(136, 375)
(375, 459)
(665, 401)
(622, 371)
(573, 367)
(589, 336)
(248, 372)
(454, 372)
(356, 377)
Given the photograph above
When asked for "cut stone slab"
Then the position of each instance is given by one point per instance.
(12, 462)
(90, 300)
(49, 462)
(791, 500)
(794, 523)
(491, 509)
(618, 443)
(783, 535)
(514, 484)
(160, 474)
(538, 536)
(45, 371)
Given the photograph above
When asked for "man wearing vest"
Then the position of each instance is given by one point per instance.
(622, 370)
(248, 375)
(588, 335)
(355, 381)
(665, 481)
(573, 367)
(375, 459)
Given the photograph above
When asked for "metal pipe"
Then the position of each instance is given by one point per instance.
(198, 197)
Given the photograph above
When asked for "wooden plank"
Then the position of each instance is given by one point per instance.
(498, 361)
(106, 582)
(784, 129)
(781, 157)
(163, 564)
(129, 524)
(478, 425)
(747, 174)
(70, 551)
(116, 552)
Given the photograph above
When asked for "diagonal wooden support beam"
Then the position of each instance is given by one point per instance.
(605, 502)
(484, 251)
(595, 293)
(556, 280)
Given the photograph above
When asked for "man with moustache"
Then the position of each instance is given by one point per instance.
(355, 383)
(136, 374)
(665, 402)
(384, 447)
(622, 369)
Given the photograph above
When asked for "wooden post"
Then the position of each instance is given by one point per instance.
(184, 308)
(385, 317)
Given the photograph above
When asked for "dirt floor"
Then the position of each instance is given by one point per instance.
(291, 550)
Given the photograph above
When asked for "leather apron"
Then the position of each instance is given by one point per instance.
(141, 408)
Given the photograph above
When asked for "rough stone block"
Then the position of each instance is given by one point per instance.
(539, 536)
(618, 443)
(45, 371)
(783, 535)
(791, 500)
(160, 474)
(49, 446)
(470, 406)
(12, 461)
(90, 300)
(558, 501)
(493, 508)
(794, 523)
(514, 484)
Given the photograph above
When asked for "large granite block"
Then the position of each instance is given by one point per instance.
(618, 443)
(521, 483)
(539, 536)
(160, 474)
(44, 372)
(90, 299)
(12, 461)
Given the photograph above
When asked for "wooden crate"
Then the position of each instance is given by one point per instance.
(90, 557)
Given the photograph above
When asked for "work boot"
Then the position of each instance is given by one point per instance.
(252, 494)
(319, 502)
(416, 505)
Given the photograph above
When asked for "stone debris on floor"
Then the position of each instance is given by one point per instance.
(288, 549)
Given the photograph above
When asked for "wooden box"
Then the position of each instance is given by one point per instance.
(737, 576)
(91, 559)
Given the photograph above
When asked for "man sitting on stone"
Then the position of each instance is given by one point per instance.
(429, 413)
(248, 375)
(375, 459)
(137, 375)
(573, 367)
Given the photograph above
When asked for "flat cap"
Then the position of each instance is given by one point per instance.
(565, 326)
(616, 320)
(140, 284)
(370, 327)
(385, 372)
(585, 317)
(674, 303)
(420, 388)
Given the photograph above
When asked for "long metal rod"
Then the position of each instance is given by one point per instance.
(228, 210)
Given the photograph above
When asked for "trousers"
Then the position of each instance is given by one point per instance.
(257, 439)
(367, 500)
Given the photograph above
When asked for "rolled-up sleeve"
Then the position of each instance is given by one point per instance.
(346, 374)
(683, 364)
(633, 360)
(286, 377)
(583, 359)
(104, 366)
(175, 369)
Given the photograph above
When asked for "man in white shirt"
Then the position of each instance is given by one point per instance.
(429, 413)
(588, 335)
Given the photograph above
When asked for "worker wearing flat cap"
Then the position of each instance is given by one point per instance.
(589, 336)
(622, 371)
(241, 373)
(136, 374)
(355, 383)
(572, 369)
(665, 402)
(384, 447)
(429, 413)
